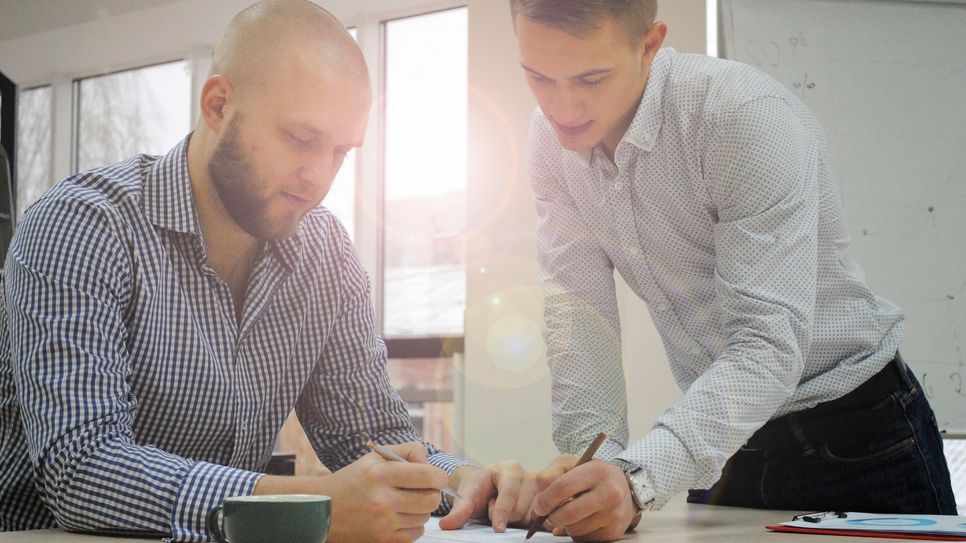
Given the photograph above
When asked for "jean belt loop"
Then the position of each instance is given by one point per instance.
(794, 427)
(903, 371)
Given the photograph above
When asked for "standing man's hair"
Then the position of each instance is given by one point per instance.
(582, 17)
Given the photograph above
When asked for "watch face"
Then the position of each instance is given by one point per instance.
(641, 490)
(643, 493)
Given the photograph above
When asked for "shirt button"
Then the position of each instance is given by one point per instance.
(663, 307)
(697, 351)
(618, 186)
(634, 250)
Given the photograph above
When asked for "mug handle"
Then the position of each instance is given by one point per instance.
(214, 526)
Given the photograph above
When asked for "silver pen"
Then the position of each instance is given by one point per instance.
(388, 454)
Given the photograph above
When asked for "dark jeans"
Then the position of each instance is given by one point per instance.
(875, 450)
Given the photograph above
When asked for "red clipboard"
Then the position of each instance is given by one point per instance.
(863, 533)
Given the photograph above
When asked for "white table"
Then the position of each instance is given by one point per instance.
(678, 522)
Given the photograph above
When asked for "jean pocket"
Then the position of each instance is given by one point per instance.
(851, 454)
(871, 435)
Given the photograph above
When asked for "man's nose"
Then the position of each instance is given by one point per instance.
(566, 107)
(317, 169)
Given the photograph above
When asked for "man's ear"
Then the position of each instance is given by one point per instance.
(652, 40)
(217, 97)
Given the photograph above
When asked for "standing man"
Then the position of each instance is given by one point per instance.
(707, 186)
(165, 314)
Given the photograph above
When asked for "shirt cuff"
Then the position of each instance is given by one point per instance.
(667, 462)
(609, 449)
(206, 486)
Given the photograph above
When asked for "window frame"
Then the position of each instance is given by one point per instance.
(8, 137)
(9, 117)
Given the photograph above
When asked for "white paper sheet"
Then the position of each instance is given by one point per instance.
(475, 533)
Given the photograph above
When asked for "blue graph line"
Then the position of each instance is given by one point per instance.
(892, 521)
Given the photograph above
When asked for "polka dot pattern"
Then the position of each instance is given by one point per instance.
(721, 212)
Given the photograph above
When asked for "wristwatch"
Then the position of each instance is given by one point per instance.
(642, 491)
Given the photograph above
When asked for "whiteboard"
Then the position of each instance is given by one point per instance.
(887, 81)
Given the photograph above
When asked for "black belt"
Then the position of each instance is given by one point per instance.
(832, 419)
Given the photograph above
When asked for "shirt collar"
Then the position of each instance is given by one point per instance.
(646, 124)
(643, 131)
(168, 203)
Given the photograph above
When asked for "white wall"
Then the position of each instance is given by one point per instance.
(507, 384)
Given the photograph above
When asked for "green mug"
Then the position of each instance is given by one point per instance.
(292, 518)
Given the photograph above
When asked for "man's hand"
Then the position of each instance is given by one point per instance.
(591, 502)
(503, 492)
(378, 501)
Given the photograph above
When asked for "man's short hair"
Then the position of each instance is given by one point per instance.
(582, 17)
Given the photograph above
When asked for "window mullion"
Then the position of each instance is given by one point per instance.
(62, 128)
(368, 201)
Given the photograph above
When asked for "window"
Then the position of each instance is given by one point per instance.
(34, 174)
(424, 221)
(145, 110)
(425, 174)
(341, 199)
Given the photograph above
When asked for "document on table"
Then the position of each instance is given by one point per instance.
(476, 533)
(941, 527)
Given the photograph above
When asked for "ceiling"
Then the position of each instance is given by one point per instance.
(23, 17)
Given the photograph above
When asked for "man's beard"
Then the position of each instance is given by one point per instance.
(239, 190)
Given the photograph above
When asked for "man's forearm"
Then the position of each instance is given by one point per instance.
(290, 484)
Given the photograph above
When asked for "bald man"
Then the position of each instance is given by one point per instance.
(166, 313)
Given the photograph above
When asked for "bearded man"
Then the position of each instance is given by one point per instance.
(167, 313)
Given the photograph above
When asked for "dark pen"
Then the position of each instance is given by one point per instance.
(584, 458)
